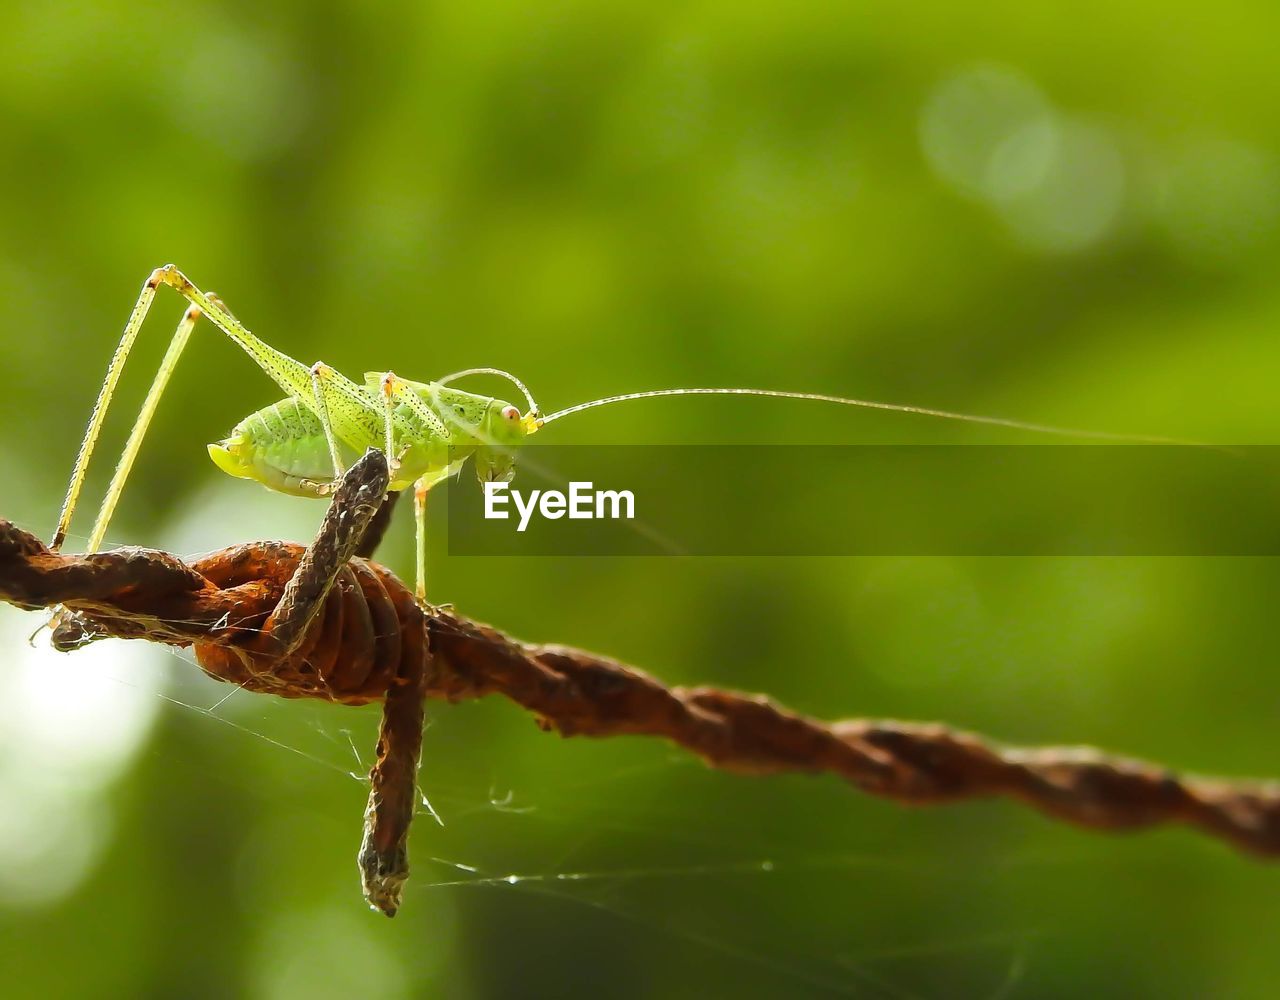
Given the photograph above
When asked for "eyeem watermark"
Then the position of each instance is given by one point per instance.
(878, 500)
(582, 502)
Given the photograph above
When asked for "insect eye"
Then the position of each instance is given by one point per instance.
(510, 413)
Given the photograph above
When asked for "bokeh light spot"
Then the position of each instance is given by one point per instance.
(70, 725)
(987, 131)
(1058, 182)
(1078, 199)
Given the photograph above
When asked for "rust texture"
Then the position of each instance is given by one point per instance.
(318, 622)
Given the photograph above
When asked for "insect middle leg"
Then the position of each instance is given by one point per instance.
(320, 374)
(394, 390)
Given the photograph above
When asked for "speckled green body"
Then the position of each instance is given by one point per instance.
(283, 446)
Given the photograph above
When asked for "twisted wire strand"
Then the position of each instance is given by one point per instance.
(224, 601)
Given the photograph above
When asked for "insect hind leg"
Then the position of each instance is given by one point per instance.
(353, 415)
(127, 457)
(143, 422)
(114, 367)
(283, 369)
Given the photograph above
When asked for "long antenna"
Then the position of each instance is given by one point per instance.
(869, 404)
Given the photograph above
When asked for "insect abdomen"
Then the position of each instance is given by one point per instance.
(283, 447)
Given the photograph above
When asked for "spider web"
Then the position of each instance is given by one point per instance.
(560, 846)
(619, 850)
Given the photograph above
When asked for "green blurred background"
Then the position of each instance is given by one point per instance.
(1065, 213)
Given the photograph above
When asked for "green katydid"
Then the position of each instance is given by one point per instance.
(302, 444)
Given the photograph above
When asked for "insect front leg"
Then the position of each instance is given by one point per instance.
(420, 489)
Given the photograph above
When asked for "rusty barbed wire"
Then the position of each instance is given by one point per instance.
(320, 622)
